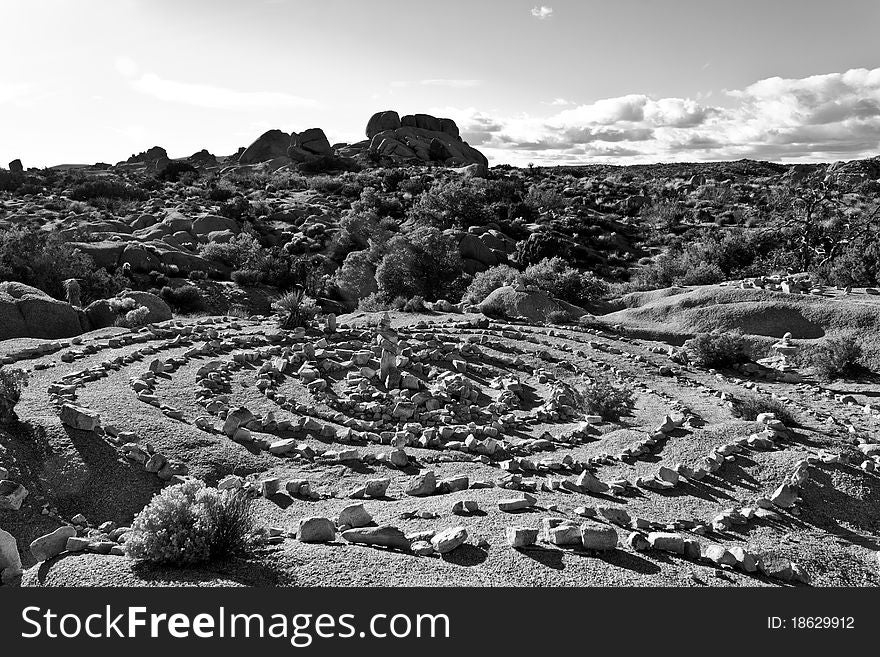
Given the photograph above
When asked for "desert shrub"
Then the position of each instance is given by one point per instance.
(857, 265)
(190, 523)
(10, 181)
(703, 258)
(221, 192)
(173, 171)
(121, 305)
(555, 276)
(370, 201)
(326, 163)
(540, 198)
(372, 303)
(602, 398)
(414, 305)
(459, 203)
(718, 349)
(134, 318)
(237, 207)
(485, 282)
(11, 383)
(425, 262)
(559, 317)
(46, 261)
(413, 186)
(246, 277)
(241, 252)
(837, 357)
(107, 189)
(198, 275)
(752, 406)
(184, 299)
(326, 184)
(356, 278)
(296, 309)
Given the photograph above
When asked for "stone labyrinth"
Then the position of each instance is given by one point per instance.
(450, 449)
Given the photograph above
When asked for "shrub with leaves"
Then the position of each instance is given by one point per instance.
(555, 276)
(185, 299)
(485, 282)
(602, 398)
(134, 318)
(11, 383)
(296, 309)
(752, 406)
(718, 349)
(190, 523)
(837, 357)
(246, 277)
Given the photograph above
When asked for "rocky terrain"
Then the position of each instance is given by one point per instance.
(490, 377)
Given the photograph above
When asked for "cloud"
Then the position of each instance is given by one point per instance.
(13, 91)
(820, 117)
(439, 82)
(542, 12)
(205, 95)
(455, 84)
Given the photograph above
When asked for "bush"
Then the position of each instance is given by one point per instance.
(555, 276)
(11, 383)
(414, 305)
(718, 349)
(241, 252)
(485, 282)
(172, 171)
(559, 317)
(46, 261)
(753, 405)
(601, 398)
(326, 163)
(837, 357)
(373, 302)
(184, 299)
(236, 208)
(459, 203)
(107, 189)
(247, 277)
(190, 523)
(296, 309)
(134, 319)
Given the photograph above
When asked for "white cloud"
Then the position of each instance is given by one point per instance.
(206, 95)
(455, 84)
(126, 66)
(439, 82)
(542, 12)
(822, 117)
(13, 91)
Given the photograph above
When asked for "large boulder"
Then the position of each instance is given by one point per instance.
(382, 121)
(422, 137)
(101, 315)
(471, 246)
(10, 560)
(26, 312)
(535, 305)
(312, 141)
(214, 223)
(268, 146)
(151, 155)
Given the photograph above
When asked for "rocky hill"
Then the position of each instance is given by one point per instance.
(420, 368)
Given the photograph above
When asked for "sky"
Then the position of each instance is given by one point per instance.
(567, 82)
